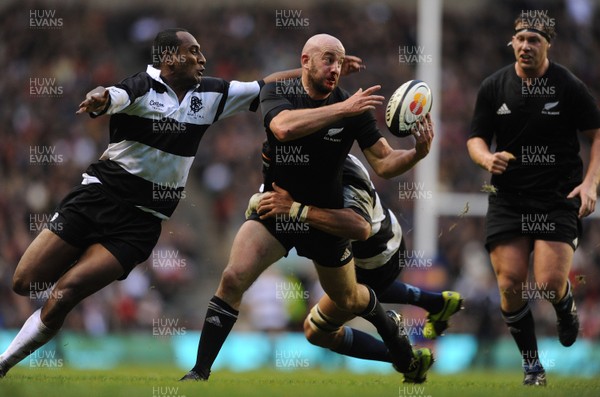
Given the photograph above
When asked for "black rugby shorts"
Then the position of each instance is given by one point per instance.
(88, 215)
(380, 279)
(323, 248)
(511, 216)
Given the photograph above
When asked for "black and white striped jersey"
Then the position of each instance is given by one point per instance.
(154, 137)
(386, 233)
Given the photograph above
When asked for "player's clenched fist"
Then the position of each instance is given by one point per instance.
(276, 202)
(498, 162)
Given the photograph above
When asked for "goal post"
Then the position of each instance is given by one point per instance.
(429, 33)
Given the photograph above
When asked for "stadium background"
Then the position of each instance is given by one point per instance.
(158, 310)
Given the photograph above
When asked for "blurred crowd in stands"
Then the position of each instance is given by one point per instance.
(44, 146)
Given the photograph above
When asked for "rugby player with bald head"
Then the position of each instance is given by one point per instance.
(311, 124)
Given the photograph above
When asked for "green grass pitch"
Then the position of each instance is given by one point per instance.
(162, 382)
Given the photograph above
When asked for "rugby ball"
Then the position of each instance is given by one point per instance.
(411, 101)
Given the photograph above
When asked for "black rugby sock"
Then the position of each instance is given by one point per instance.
(375, 314)
(522, 328)
(362, 345)
(386, 327)
(407, 294)
(220, 318)
(565, 305)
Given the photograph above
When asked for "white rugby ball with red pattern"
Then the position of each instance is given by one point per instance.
(411, 101)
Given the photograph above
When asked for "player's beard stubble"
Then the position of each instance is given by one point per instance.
(317, 83)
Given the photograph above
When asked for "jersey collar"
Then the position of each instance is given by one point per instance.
(154, 73)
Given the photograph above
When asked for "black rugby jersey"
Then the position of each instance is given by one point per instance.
(310, 168)
(386, 233)
(538, 123)
(154, 138)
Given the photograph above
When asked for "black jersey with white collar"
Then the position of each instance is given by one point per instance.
(536, 120)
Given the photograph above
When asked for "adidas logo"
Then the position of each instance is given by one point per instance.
(503, 110)
(514, 330)
(346, 254)
(214, 320)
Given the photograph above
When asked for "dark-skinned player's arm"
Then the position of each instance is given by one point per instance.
(351, 64)
(388, 162)
(102, 100)
(343, 222)
(96, 101)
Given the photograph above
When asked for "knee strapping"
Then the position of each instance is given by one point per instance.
(319, 322)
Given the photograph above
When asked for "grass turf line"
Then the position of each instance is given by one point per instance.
(163, 382)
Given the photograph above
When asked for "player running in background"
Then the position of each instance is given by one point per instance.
(311, 125)
(378, 248)
(112, 221)
(534, 109)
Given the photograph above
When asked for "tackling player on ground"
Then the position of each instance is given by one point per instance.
(535, 106)
(379, 249)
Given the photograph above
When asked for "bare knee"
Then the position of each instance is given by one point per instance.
(20, 285)
(510, 283)
(23, 283)
(507, 284)
(511, 263)
(233, 284)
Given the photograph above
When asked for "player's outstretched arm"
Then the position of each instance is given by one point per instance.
(388, 162)
(342, 222)
(352, 64)
(283, 75)
(588, 190)
(293, 124)
(96, 101)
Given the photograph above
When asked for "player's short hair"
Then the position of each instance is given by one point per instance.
(543, 25)
(165, 39)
